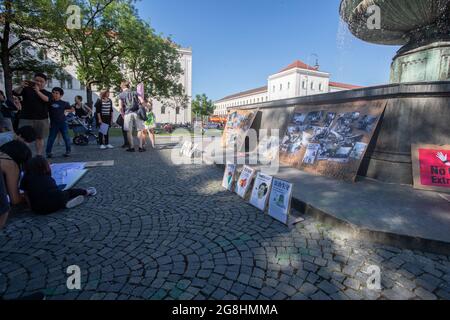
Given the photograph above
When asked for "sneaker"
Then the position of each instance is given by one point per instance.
(142, 150)
(103, 147)
(131, 150)
(109, 146)
(125, 146)
(75, 202)
(66, 155)
(91, 192)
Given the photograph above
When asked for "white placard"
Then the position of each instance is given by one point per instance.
(228, 177)
(261, 191)
(104, 129)
(280, 200)
(245, 180)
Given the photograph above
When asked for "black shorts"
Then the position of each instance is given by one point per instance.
(4, 199)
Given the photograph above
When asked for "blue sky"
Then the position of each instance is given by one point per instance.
(237, 44)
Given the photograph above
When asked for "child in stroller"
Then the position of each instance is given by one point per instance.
(82, 128)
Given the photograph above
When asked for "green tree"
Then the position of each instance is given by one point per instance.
(95, 46)
(152, 60)
(202, 106)
(25, 24)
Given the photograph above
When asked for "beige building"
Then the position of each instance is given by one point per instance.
(296, 80)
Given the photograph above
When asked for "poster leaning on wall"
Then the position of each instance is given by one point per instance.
(331, 140)
(261, 191)
(431, 167)
(236, 129)
(280, 200)
(245, 180)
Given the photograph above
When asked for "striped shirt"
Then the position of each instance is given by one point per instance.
(106, 108)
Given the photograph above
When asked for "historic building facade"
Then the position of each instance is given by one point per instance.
(296, 80)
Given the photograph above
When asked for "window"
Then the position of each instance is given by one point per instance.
(82, 87)
(321, 87)
(177, 110)
(163, 110)
(62, 83)
(49, 82)
(312, 85)
(289, 85)
(281, 87)
(273, 89)
(304, 84)
(69, 83)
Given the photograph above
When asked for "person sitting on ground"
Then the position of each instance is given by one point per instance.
(4, 203)
(24, 134)
(12, 159)
(58, 122)
(104, 111)
(42, 193)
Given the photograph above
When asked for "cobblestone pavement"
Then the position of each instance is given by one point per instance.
(159, 231)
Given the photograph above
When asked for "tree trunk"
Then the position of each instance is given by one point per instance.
(89, 95)
(7, 75)
(5, 53)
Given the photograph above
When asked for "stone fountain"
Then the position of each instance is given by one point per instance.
(421, 27)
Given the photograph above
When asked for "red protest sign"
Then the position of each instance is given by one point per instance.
(431, 167)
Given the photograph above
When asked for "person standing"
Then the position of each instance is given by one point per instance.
(150, 124)
(34, 113)
(129, 106)
(104, 111)
(58, 121)
(8, 109)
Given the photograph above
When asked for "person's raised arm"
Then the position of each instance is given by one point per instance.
(41, 95)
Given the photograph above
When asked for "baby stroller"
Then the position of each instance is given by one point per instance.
(82, 129)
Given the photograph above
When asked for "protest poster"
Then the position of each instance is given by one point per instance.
(67, 175)
(331, 140)
(431, 167)
(268, 148)
(280, 200)
(261, 191)
(228, 177)
(236, 129)
(245, 180)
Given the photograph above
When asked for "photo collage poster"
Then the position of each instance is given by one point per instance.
(238, 124)
(280, 200)
(261, 191)
(331, 140)
(268, 148)
(245, 180)
(228, 177)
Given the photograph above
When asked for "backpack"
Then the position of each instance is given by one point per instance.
(142, 113)
(132, 101)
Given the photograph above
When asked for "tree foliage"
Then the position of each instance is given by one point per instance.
(111, 43)
(202, 106)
